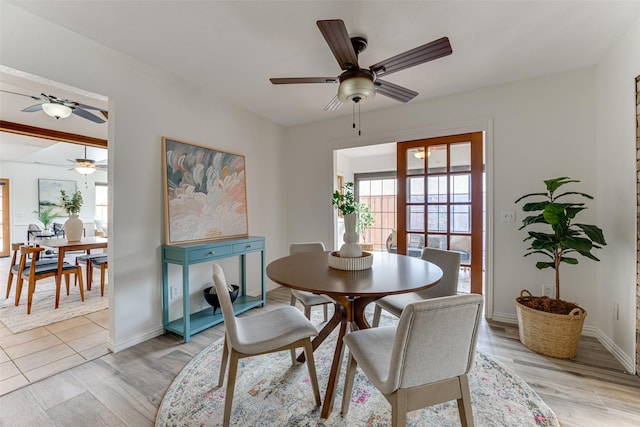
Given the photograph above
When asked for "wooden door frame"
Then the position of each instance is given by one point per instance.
(6, 218)
(477, 141)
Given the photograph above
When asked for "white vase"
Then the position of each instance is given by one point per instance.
(73, 228)
(350, 248)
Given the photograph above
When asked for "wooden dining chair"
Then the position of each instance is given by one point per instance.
(101, 263)
(424, 361)
(275, 330)
(32, 273)
(15, 264)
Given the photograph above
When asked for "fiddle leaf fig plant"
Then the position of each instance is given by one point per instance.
(565, 238)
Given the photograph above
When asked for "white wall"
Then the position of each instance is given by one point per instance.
(24, 193)
(616, 191)
(144, 105)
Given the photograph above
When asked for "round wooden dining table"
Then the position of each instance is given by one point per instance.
(352, 291)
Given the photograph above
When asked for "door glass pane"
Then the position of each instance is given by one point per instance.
(437, 217)
(460, 156)
(415, 218)
(461, 218)
(461, 188)
(461, 244)
(415, 240)
(415, 161)
(415, 190)
(437, 189)
(437, 159)
(437, 241)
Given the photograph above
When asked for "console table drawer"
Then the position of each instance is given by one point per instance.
(209, 253)
(248, 246)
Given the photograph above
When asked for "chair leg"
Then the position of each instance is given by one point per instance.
(32, 287)
(66, 281)
(9, 282)
(103, 267)
(80, 282)
(348, 384)
(326, 311)
(223, 362)
(464, 403)
(376, 316)
(19, 283)
(399, 408)
(311, 366)
(307, 312)
(231, 384)
(293, 300)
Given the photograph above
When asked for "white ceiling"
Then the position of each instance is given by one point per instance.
(233, 47)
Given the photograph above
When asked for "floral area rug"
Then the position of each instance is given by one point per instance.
(271, 392)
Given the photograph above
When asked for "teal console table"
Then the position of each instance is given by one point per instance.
(195, 253)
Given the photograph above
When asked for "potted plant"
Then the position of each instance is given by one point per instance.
(553, 326)
(46, 216)
(74, 226)
(346, 204)
(364, 220)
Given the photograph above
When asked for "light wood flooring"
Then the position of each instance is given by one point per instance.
(126, 388)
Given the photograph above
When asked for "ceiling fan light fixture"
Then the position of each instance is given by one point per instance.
(420, 154)
(85, 167)
(59, 111)
(356, 89)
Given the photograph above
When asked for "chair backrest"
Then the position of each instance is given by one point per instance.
(220, 283)
(298, 248)
(435, 340)
(34, 227)
(449, 262)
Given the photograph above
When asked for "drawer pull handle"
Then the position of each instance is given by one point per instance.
(249, 246)
(212, 253)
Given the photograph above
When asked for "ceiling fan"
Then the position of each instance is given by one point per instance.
(83, 166)
(61, 108)
(358, 84)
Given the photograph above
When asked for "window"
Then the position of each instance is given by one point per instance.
(378, 190)
(102, 201)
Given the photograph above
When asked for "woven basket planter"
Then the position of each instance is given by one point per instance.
(555, 335)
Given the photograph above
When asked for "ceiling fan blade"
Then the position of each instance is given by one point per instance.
(87, 115)
(421, 54)
(337, 37)
(51, 164)
(333, 105)
(296, 80)
(39, 98)
(394, 91)
(33, 108)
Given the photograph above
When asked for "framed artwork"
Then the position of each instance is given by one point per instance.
(49, 193)
(205, 193)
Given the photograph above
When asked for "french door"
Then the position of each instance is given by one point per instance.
(4, 217)
(440, 198)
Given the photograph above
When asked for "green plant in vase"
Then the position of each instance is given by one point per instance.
(73, 227)
(71, 204)
(46, 216)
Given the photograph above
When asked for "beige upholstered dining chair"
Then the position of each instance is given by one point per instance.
(275, 330)
(448, 261)
(308, 299)
(416, 364)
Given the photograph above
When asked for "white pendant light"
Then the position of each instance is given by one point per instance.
(59, 111)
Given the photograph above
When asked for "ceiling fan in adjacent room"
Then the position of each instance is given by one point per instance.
(84, 166)
(61, 108)
(358, 84)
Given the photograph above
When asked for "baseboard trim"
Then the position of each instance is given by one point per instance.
(134, 340)
(588, 331)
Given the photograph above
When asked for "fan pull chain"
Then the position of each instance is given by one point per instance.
(359, 133)
(353, 114)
